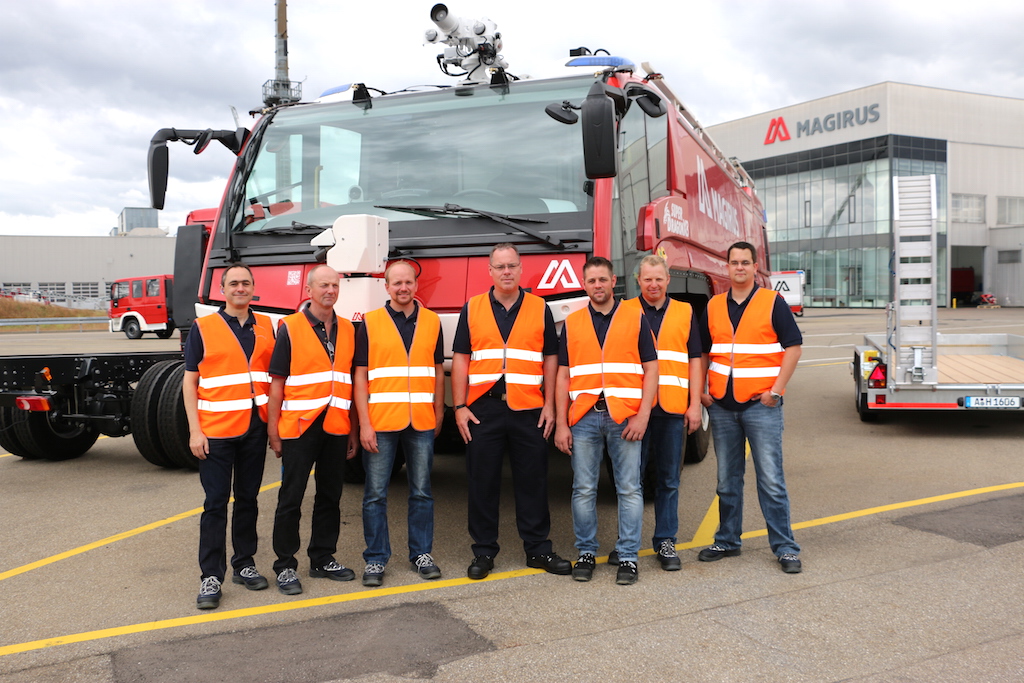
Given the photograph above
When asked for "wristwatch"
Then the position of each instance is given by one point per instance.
(774, 395)
(461, 405)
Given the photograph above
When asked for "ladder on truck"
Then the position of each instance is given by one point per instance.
(913, 314)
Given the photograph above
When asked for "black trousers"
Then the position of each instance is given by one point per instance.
(243, 457)
(502, 430)
(298, 456)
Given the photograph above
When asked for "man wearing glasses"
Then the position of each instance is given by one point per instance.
(503, 387)
(310, 400)
(751, 348)
(399, 392)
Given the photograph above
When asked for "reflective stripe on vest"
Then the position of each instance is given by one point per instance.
(520, 359)
(614, 370)
(751, 353)
(313, 385)
(673, 355)
(401, 383)
(229, 384)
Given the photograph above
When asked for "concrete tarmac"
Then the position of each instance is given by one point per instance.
(913, 547)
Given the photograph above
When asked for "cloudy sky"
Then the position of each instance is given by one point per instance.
(83, 86)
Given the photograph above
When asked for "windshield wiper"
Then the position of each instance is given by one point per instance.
(467, 212)
(296, 228)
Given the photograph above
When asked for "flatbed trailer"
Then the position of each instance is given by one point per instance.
(914, 367)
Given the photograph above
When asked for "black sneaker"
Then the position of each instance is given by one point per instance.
(551, 563)
(668, 557)
(332, 570)
(251, 578)
(613, 558)
(288, 582)
(583, 570)
(480, 567)
(717, 552)
(373, 574)
(209, 593)
(790, 563)
(627, 573)
(425, 567)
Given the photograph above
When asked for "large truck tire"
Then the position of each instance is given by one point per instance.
(52, 439)
(696, 448)
(165, 333)
(145, 401)
(172, 422)
(131, 328)
(8, 439)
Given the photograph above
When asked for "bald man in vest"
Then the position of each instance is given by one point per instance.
(311, 426)
(751, 348)
(607, 383)
(677, 411)
(399, 392)
(224, 391)
(503, 387)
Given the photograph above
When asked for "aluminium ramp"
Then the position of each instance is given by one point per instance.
(914, 335)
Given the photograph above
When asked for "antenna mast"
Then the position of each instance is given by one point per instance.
(280, 90)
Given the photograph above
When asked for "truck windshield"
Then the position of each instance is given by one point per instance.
(479, 147)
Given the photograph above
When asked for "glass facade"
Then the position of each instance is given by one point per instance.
(829, 213)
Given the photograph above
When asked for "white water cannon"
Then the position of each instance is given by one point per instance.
(473, 46)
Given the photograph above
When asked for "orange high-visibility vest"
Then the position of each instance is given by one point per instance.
(673, 355)
(313, 384)
(520, 359)
(401, 383)
(229, 383)
(751, 353)
(614, 370)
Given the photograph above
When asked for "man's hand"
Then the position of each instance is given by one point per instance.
(636, 427)
(768, 400)
(563, 439)
(693, 417)
(353, 445)
(275, 443)
(199, 445)
(547, 420)
(463, 416)
(368, 437)
(706, 400)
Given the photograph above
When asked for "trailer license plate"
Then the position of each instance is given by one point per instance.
(992, 402)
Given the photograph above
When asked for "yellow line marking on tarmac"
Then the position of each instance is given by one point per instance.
(433, 585)
(110, 539)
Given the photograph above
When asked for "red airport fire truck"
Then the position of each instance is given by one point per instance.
(142, 304)
(608, 162)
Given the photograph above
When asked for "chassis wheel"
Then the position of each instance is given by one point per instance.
(53, 438)
(172, 422)
(8, 439)
(131, 328)
(145, 402)
(696, 448)
(165, 333)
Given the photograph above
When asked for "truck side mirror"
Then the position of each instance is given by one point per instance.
(600, 156)
(157, 165)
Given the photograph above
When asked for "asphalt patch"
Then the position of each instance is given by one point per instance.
(989, 524)
(408, 640)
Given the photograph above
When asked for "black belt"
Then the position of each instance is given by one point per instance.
(601, 406)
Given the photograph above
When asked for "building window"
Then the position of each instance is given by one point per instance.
(1009, 256)
(12, 287)
(85, 289)
(53, 288)
(1011, 211)
(968, 208)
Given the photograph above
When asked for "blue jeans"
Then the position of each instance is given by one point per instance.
(418, 447)
(762, 427)
(595, 431)
(663, 451)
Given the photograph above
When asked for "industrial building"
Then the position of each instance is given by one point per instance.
(824, 170)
